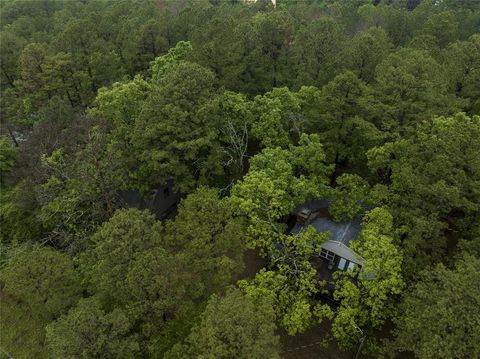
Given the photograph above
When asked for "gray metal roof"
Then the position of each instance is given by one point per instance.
(341, 232)
(342, 250)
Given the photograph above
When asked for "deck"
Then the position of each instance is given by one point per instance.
(323, 272)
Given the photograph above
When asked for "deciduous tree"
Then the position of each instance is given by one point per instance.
(38, 285)
(87, 331)
(233, 326)
(439, 316)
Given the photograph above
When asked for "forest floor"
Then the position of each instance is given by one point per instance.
(309, 345)
(253, 262)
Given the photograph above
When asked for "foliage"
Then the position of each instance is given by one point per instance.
(114, 246)
(368, 301)
(345, 104)
(209, 237)
(277, 182)
(235, 325)
(250, 110)
(432, 185)
(88, 332)
(159, 275)
(7, 156)
(439, 316)
(38, 285)
(349, 197)
(78, 193)
(411, 87)
(317, 51)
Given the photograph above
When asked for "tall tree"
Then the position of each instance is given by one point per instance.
(38, 285)
(439, 316)
(166, 137)
(272, 33)
(282, 116)
(463, 71)
(429, 185)
(364, 51)
(277, 182)
(411, 86)
(221, 45)
(233, 326)
(345, 105)
(87, 331)
(115, 246)
(316, 51)
(367, 296)
(208, 236)
(443, 27)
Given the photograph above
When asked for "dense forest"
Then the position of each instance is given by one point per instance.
(248, 109)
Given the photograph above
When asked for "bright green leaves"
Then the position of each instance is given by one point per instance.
(281, 116)
(381, 274)
(162, 65)
(291, 299)
(292, 285)
(278, 181)
(350, 316)
(270, 129)
(123, 102)
(367, 302)
(309, 158)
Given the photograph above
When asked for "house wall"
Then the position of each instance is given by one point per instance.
(162, 201)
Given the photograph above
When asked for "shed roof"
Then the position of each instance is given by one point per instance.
(342, 250)
(342, 233)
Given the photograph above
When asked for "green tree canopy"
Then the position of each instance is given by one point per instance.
(114, 247)
(87, 331)
(232, 326)
(367, 301)
(365, 50)
(277, 182)
(411, 86)
(38, 285)
(439, 316)
(432, 185)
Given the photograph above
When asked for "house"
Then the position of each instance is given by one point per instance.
(162, 201)
(335, 253)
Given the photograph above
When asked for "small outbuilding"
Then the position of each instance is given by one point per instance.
(335, 253)
(162, 201)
